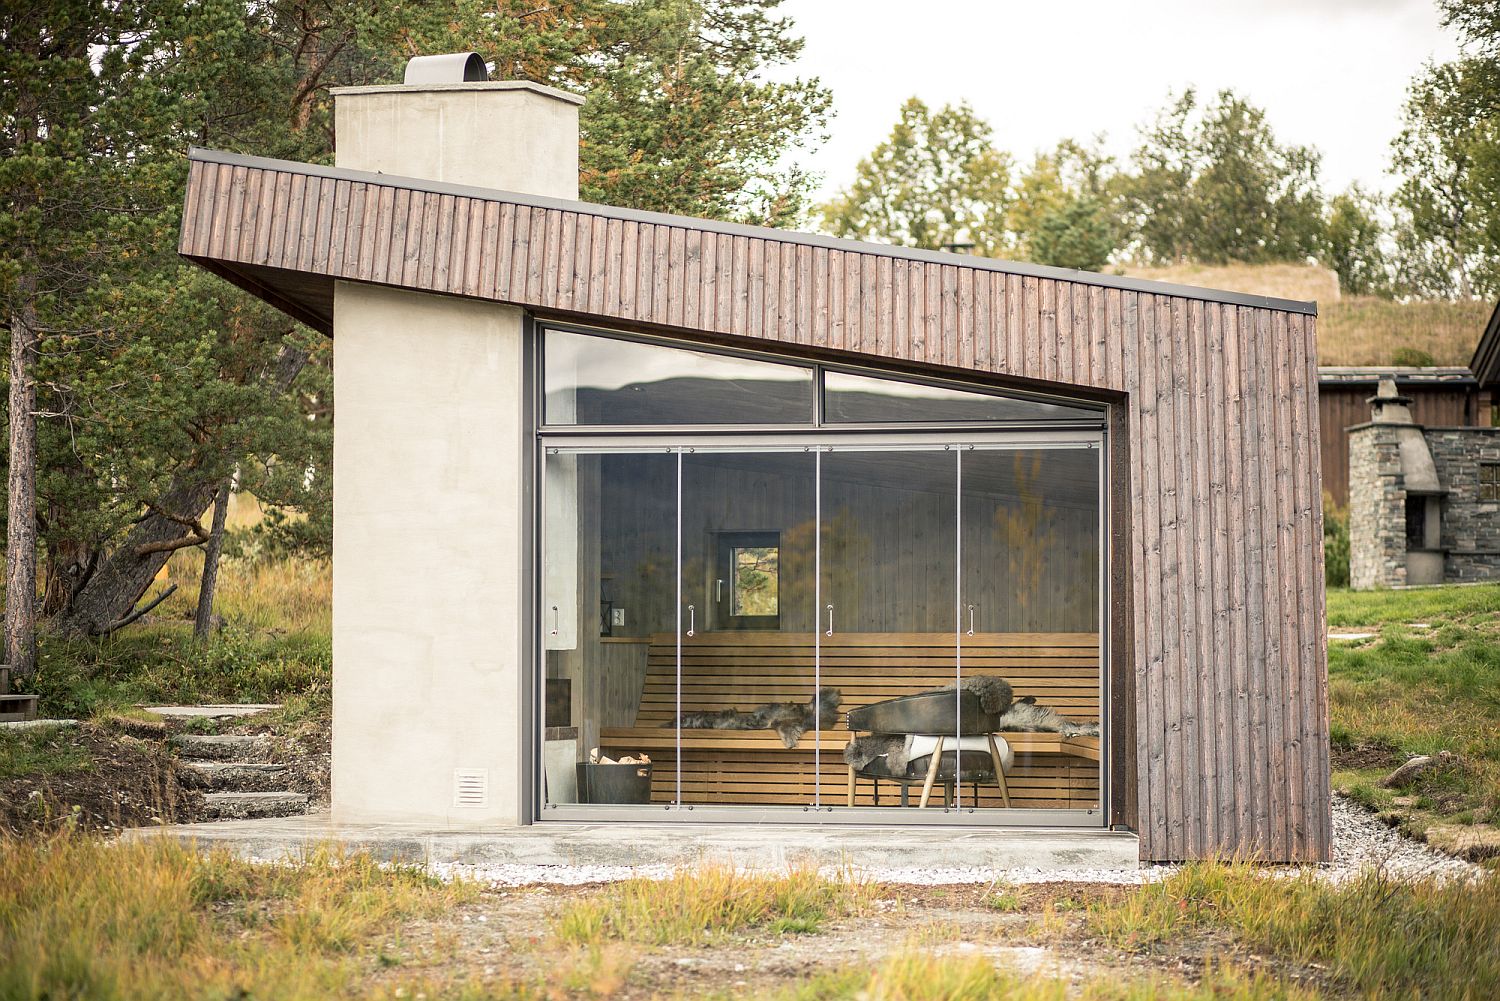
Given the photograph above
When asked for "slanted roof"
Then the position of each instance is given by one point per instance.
(281, 230)
(1405, 375)
(1486, 363)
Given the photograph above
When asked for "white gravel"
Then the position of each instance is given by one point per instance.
(1360, 842)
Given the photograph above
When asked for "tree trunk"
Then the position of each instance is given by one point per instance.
(102, 604)
(20, 526)
(203, 622)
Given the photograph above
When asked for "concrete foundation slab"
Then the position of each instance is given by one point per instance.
(747, 846)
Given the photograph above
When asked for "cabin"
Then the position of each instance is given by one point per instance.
(652, 518)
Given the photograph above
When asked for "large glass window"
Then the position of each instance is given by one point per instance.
(604, 381)
(824, 620)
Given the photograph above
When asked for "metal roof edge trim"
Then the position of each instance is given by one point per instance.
(1486, 361)
(475, 85)
(1021, 268)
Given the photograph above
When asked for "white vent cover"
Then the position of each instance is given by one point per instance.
(471, 787)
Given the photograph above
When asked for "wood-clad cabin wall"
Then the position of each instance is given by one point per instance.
(1222, 489)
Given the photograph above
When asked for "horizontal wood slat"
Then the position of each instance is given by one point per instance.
(728, 671)
(1219, 537)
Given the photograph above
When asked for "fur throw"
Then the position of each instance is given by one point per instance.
(994, 697)
(789, 719)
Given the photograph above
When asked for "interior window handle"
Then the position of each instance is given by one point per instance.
(555, 621)
(971, 620)
(691, 620)
(718, 590)
(830, 621)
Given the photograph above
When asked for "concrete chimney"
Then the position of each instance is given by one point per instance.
(513, 135)
(429, 581)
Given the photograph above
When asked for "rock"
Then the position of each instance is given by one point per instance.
(1408, 772)
(227, 747)
(249, 805)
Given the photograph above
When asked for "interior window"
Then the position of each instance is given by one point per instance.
(748, 586)
(867, 400)
(600, 380)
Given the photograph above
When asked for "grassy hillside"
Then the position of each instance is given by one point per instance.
(1352, 330)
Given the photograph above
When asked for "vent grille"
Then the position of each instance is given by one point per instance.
(471, 787)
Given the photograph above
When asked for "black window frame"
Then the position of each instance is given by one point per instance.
(722, 583)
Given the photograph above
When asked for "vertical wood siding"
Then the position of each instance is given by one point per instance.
(1225, 562)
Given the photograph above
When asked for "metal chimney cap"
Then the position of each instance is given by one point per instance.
(450, 67)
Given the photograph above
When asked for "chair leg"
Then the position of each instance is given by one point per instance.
(851, 785)
(999, 772)
(932, 770)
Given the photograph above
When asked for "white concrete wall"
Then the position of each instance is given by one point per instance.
(428, 578)
(429, 527)
(493, 135)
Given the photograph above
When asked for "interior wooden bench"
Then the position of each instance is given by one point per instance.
(742, 670)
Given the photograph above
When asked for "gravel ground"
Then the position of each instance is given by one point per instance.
(1360, 841)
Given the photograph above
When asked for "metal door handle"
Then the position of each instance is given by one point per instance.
(971, 620)
(691, 620)
(719, 590)
(830, 621)
(555, 621)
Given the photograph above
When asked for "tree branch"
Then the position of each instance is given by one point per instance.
(133, 616)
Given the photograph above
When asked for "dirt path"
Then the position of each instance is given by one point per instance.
(1033, 931)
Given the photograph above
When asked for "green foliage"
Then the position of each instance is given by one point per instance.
(1411, 356)
(81, 678)
(936, 180)
(1213, 184)
(1447, 158)
(1353, 244)
(46, 751)
(1335, 544)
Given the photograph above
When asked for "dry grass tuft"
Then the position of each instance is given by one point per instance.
(82, 918)
(698, 905)
(1383, 937)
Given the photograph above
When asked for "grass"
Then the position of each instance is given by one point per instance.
(40, 753)
(1352, 330)
(1420, 692)
(701, 905)
(919, 974)
(82, 918)
(1382, 937)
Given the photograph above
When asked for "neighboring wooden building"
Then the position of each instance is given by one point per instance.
(454, 308)
(1443, 396)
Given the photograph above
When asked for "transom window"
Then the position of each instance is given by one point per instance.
(595, 380)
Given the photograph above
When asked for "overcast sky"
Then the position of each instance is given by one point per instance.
(1331, 73)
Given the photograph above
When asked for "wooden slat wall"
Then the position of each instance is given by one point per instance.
(1225, 547)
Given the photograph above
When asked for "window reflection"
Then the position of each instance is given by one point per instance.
(599, 380)
(868, 400)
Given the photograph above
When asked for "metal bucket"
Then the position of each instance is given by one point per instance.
(614, 783)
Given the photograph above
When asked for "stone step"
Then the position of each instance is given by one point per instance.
(250, 805)
(235, 776)
(226, 747)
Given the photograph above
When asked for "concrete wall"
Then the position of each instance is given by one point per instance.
(428, 576)
(429, 521)
(501, 135)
